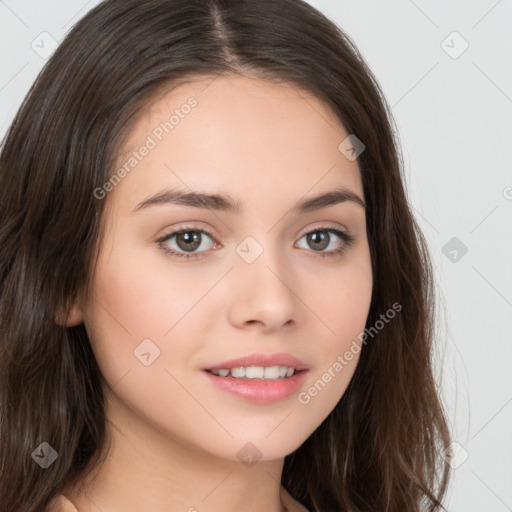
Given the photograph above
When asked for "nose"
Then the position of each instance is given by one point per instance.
(262, 293)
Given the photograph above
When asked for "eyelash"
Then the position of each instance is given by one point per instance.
(347, 238)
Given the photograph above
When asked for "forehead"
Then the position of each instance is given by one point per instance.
(246, 136)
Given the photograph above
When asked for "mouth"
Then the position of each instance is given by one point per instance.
(260, 366)
(259, 378)
(254, 388)
(257, 372)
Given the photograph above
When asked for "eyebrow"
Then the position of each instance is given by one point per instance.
(225, 203)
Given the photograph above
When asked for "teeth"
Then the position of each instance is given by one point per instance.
(238, 372)
(256, 372)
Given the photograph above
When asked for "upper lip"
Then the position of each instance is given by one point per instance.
(266, 360)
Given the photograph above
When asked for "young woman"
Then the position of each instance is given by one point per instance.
(214, 295)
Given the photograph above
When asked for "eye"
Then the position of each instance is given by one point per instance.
(188, 239)
(321, 238)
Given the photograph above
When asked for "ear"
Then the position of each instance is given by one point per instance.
(74, 317)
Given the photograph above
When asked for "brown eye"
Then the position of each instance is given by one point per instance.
(320, 239)
(188, 240)
(185, 243)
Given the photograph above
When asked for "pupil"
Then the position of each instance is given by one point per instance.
(189, 239)
(324, 239)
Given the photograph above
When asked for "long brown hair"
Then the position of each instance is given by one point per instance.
(380, 448)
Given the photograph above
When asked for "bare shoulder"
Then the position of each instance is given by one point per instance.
(290, 503)
(61, 504)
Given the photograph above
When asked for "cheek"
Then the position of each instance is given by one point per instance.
(341, 307)
(342, 304)
(140, 299)
(132, 304)
(137, 324)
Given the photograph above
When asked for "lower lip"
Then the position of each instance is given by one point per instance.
(259, 390)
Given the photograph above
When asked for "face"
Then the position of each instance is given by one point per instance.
(182, 286)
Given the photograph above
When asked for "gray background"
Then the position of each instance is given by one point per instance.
(453, 109)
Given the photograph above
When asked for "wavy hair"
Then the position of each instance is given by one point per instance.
(381, 446)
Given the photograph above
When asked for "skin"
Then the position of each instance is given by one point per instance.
(175, 437)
